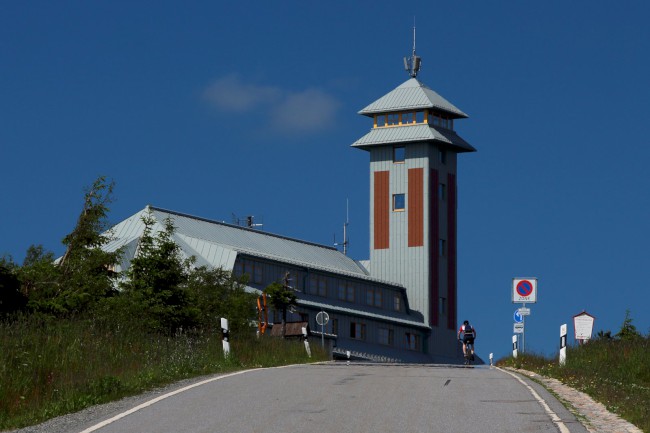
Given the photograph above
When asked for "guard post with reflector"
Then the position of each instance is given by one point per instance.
(563, 333)
(225, 337)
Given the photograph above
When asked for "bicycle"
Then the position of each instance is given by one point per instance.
(469, 356)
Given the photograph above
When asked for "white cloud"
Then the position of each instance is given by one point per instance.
(310, 110)
(283, 111)
(231, 94)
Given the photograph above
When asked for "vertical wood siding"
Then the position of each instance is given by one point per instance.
(451, 247)
(382, 209)
(415, 207)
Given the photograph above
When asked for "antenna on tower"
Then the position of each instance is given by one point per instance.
(413, 63)
(346, 241)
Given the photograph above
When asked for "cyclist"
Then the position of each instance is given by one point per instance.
(467, 334)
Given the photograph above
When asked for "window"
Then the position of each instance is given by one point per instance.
(442, 245)
(442, 191)
(443, 305)
(380, 120)
(317, 285)
(342, 290)
(408, 118)
(397, 302)
(322, 287)
(373, 297)
(392, 119)
(442, 156)
(399, 202)
(399, 154)
(412, 341)
(419, 116)
(358, 330)
(385, 336)
(350, 293)
(346, 291)
(335, 326)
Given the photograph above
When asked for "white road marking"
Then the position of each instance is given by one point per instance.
(157, 399)
(556, 419)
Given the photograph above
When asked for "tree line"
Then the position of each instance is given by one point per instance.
(161, 290)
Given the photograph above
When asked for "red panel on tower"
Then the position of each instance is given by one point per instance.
(415, 207)
(382, 209)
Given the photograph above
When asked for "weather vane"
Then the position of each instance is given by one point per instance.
(412, 64)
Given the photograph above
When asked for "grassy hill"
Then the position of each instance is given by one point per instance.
(53, 367)
(613, 371)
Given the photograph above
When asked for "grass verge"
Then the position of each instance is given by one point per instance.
(615, 373)
(50, 368)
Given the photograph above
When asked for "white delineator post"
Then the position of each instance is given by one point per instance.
(225, 339)
(514, 346)
(563, 344)
(491, 357)
(304, 334)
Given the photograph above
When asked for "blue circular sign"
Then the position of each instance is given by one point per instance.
(518, 317)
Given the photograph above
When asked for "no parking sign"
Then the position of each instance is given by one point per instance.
(524, 290)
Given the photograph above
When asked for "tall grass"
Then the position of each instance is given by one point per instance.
(50, 368)
(614, 372)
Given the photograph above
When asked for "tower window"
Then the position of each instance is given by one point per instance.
(442, 305)
(399, 202)
(399, 153)
(392, 119)
(443, 156)
(442, 246)
(442, 191)
(380, 120)
(408, 118)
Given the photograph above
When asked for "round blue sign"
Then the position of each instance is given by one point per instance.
(518, 317)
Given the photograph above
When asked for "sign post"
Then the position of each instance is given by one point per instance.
(322, 318)
(524, 290)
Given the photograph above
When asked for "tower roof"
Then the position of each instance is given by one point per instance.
(410, 134)
(412, 95)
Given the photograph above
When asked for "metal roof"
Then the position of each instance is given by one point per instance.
(217, 244)
(413, 133)
(412, 95)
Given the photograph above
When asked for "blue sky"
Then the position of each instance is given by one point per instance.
(249, 108)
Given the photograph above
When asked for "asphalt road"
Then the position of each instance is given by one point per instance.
(336, 397)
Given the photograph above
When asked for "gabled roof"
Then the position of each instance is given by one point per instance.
(412, 95)
(413, 133)
(217, 244)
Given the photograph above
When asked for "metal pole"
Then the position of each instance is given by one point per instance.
(523, 334)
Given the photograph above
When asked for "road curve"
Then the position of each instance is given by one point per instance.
(335, 397)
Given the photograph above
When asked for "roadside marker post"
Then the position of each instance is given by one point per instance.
(563, 332)
(491, 356)
(225, 337)
(514, 346)
(304, 335)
